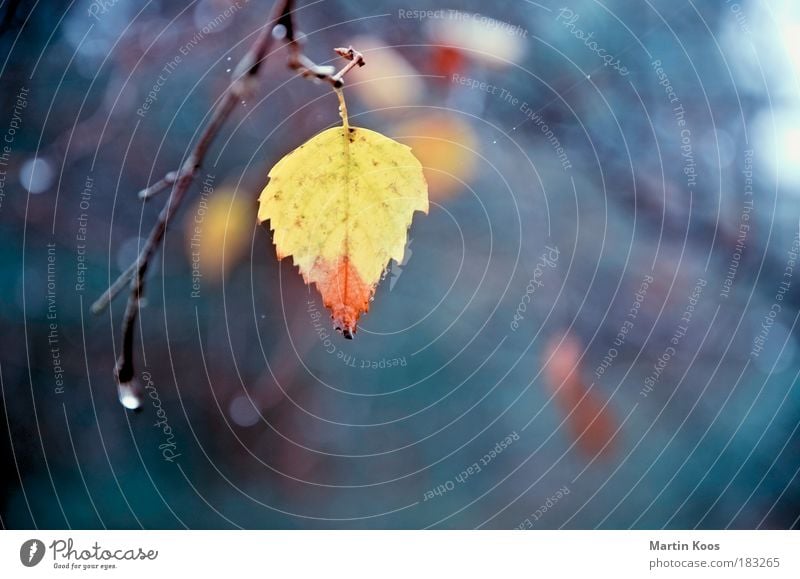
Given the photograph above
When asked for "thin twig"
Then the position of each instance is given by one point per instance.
(280, 27)
(161, 185)
(243, 80)
(355, 58)
(307, 67)
(119, 284)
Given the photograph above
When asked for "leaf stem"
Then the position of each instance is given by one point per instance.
(342, 109)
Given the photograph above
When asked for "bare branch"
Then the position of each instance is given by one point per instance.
(355, 58)
(307, 67)
(280, 27)
(123, 280)
(242, 83)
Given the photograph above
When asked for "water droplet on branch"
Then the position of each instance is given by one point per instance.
(131, 394)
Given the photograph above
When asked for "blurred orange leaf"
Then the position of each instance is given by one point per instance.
(589, 420)
(447, 61)
(446, 146)
(217, 232)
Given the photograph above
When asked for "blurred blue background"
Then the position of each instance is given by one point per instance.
(594, 327)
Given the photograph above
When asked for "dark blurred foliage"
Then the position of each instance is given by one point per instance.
(280, 423)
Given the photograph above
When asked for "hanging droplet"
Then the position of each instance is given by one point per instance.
(131, 394)
(279, 32)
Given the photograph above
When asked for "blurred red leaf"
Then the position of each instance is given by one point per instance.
(446, 61)
(588, 417)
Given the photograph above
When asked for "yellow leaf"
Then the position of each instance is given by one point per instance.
(341, 205)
